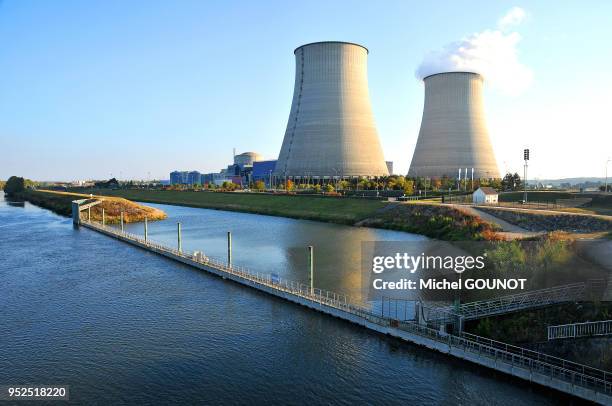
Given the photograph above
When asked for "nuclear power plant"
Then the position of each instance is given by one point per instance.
(331, 131)
(453, 133)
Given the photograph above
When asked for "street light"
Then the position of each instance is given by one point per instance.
(526, 157)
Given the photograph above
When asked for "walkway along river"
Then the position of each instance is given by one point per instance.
(575, 379)
(127, 326)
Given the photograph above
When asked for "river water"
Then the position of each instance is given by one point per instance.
(121, 325)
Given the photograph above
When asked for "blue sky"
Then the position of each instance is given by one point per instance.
(130, 88)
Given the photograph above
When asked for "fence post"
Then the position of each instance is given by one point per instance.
(146, 230)
(178, 231)
(89, 213)
(121, 221)
(103, 217)
(229, 248)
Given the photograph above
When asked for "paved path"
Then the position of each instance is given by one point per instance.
(509, 231)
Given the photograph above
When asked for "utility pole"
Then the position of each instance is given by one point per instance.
(146, 230)
(121, 221)
(103, 218)
(526, 157)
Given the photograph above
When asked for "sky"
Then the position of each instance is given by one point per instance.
(134, 90)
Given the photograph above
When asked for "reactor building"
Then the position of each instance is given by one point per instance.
(453, 133)
(331, 130)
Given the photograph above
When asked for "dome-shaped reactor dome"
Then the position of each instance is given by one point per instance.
(247, 158)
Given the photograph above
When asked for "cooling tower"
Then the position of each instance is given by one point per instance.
(453, 131)
(331, 130)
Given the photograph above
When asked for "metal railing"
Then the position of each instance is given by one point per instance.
(535, 362)
(531, 299)
(576, 330)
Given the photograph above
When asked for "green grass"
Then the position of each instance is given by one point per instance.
(431, 220)
(336, 210)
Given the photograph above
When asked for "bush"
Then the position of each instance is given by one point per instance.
(14, 185)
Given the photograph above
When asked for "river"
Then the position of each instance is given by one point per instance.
(121, 325)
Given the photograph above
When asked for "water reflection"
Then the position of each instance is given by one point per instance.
(274, 244)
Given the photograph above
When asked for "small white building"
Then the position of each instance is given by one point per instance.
(485, 195)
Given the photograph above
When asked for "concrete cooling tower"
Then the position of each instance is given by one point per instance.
(453, 131)
(331, 130)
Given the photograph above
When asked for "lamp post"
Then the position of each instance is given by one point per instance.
(526, 157)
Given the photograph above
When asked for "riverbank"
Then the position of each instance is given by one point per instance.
(60, 203)
(431, 220)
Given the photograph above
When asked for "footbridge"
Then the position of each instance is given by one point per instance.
(533, 299)
(568, 377)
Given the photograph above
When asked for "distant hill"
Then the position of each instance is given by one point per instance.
(571, 181)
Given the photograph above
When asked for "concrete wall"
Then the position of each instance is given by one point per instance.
(331, 129)
(453, 131)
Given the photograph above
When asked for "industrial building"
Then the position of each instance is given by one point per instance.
(453, 132)
(331, 131)
(178, 177)
(239, 172)
(263, 170)
(246, 159)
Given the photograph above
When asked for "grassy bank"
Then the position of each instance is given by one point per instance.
(342, 211)
(61, 203)
(430, 220)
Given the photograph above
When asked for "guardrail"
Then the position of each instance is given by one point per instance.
(576, 330)
(498, 352)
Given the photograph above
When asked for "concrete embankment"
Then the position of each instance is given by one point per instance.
(542, 220)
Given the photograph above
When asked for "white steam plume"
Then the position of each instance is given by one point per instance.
(492, 53)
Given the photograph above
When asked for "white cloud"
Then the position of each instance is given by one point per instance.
(515, 16)
(492, 53)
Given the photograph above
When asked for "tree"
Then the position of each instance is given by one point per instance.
(290, 185)
(260, 185)
(511, 182)
(436, 184)
(408, 187)
(227, 185)
(14, 185)
(329, 188)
